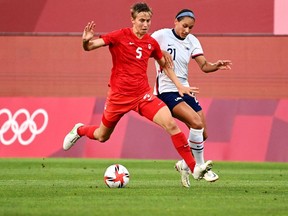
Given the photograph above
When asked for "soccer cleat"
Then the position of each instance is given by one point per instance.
(200, 170)
(210, 176)
(184, 174)
(72, 137)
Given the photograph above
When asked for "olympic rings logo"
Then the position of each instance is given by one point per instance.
(19, 129)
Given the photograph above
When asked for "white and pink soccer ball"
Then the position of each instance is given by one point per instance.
(116, 176)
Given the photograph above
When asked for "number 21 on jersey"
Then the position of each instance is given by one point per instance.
(172, 52)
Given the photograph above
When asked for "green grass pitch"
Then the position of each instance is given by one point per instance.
(65, 186)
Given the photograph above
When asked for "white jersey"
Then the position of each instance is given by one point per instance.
(181, 51)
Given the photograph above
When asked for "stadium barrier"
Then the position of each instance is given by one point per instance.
(36, 127)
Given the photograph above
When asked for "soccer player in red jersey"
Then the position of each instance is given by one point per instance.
(129, 90)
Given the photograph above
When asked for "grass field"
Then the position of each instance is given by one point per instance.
(54, 186)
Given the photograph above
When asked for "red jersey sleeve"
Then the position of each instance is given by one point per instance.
(112, 37)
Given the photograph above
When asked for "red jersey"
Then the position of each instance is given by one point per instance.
(130, 57)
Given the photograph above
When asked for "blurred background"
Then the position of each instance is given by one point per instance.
(48, 83)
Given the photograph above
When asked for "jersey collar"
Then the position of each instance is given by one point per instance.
(177, 35)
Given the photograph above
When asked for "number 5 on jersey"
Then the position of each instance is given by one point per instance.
(139, 52)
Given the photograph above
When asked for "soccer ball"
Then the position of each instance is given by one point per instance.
(116, 176)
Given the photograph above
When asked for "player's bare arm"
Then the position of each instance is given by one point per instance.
(88, 42)
(208, 67)
(168, 58)
(171, 74)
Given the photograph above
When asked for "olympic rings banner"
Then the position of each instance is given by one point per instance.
(35, 127)
(19, 128)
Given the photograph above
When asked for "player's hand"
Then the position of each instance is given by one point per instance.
(88, 32)
(191, 91)
(224, 64)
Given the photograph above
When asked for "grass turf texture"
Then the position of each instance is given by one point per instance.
(54, 186)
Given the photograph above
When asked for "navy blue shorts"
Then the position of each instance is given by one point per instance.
(171, 99)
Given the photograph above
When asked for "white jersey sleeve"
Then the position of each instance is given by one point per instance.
(181, 50)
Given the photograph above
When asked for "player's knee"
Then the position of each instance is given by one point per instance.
(170, 125)
(199, 125)
(196, 124)
(103, 139)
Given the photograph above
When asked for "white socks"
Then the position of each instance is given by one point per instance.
(197, 145)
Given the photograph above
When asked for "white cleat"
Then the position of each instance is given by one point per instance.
(210, 176)
(184, 174)
(72, 137)
(200, 170)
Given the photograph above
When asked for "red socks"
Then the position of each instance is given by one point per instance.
(180, 142)
(87, 130)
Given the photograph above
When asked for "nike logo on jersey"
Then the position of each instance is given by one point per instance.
(131, 43)
(170, 44)
(178, 98)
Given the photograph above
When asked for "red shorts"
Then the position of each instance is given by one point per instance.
(117, 105)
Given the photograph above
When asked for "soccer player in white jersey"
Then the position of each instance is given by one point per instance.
(182, 46)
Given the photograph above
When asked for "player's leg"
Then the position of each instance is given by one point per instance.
(210, 176)
(112, 114)
(185, 109)
(203, 119)
(186, 114)
(100, 133)
(164, 119)
(196, 137)
(156, 111)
